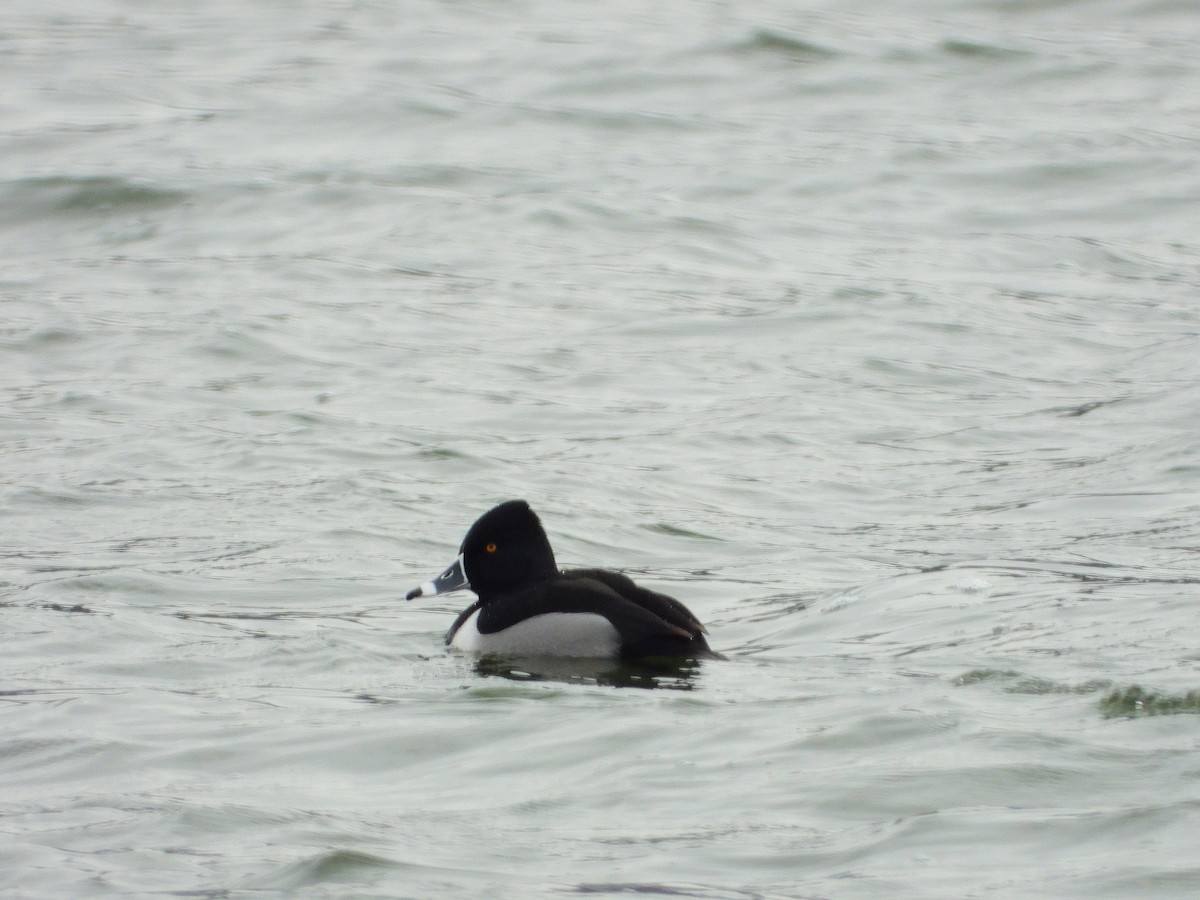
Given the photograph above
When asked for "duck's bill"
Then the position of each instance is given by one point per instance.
(453, 579)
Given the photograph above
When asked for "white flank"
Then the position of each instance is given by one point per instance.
(550, 634)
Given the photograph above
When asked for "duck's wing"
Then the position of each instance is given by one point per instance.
(666, 608)
(634, 621)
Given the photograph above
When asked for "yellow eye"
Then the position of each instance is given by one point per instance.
(490, 548)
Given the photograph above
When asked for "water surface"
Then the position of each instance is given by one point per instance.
(868, 330)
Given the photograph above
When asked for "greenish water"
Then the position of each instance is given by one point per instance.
(868, 331)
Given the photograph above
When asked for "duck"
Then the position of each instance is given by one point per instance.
(527, 606)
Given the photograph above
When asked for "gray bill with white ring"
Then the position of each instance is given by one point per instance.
(453, 579)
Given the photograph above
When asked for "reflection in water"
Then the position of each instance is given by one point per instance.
(668, 674)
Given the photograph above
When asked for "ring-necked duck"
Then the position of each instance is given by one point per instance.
(527, 607)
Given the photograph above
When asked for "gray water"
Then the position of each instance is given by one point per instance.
(869, 330)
